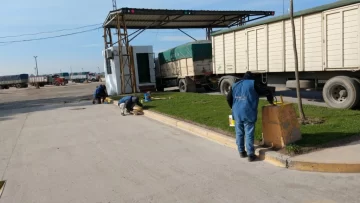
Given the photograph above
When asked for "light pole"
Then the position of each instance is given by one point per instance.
(99, 70)
(36, 66)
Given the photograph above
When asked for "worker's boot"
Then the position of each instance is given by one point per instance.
(243, 154)
(252, 158)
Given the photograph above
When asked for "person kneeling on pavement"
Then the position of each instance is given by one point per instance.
(100, 94)
(127, 103)
(243, 99)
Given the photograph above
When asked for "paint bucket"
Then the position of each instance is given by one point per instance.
(231, 121)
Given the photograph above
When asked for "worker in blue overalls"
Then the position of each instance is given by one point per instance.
(127, 103)
(243, 99)
(100, 94)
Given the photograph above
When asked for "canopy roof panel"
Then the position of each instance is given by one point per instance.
(136, 18)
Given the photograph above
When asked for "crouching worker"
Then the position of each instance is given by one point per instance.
(100, 94)
(127, 103)
(243, 99)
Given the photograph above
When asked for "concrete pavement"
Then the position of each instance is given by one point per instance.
(90, 153)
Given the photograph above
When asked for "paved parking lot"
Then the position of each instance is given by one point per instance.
(31, 97)
(79, 152)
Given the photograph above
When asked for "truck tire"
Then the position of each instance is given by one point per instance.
(2, 87)
(186, 85)
(341, 92)
(304, 84)
(226, 85)
(358, 81)
(6, 87)
(18, 86)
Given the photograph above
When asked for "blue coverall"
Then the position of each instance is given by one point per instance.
(100, 93)
(130, 102)
(243, 99)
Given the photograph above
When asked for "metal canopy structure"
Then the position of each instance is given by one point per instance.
(141, 19)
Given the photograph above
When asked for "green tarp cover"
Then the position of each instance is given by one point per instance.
(198, 50)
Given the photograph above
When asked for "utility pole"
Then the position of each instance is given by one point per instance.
(114, 4)
(283, 7)
(99, 69)
(301, 110)
(36, 66)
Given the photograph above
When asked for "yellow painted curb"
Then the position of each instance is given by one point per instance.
(267, 155)
(324, 167)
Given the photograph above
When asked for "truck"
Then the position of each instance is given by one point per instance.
(93, 77)
(47, 80)
(18, 81)
(64, 75)
(188, 66)
(328, 46)
(79, 77)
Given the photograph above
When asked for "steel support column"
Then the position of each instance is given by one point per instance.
(208, 33)
(127, 71)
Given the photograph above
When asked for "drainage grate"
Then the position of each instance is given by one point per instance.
(2, 186)
(76, 109)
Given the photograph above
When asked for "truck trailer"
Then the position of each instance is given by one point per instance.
(188, 66)
(328, 45)
(47, 80)
(18, 81)
(79, 77)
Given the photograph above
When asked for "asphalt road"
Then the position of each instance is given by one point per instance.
(32, 97)
(79, 152)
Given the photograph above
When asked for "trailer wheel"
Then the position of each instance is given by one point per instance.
(341, 92)
(18, 86)
(2, 87)
(6, 87)
(358, 81)
(182, 85)
(186, 85)
(225, 86)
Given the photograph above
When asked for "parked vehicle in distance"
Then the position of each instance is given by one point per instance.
(81, 77)
(93, 77)
(64, 75)
(18, 81)
(188, 66)
(47, 80)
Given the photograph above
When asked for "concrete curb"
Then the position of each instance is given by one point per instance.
(265, 154)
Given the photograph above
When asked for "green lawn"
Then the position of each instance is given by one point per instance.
(213, 111)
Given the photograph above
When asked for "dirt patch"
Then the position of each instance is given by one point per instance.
(312, 121)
